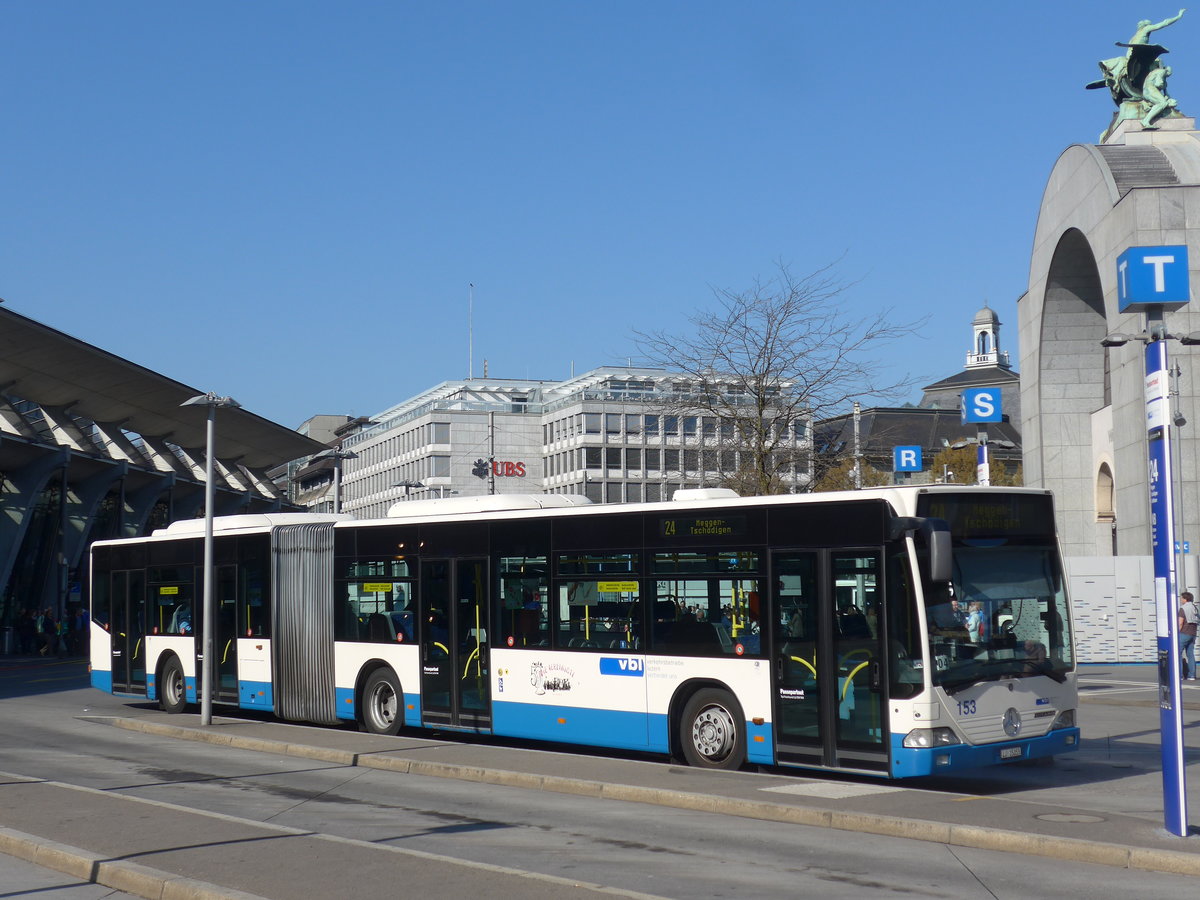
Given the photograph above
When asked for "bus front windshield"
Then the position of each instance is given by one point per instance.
(1005, 612)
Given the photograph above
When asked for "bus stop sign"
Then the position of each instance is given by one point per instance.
(1153, 277)
(906, 459)
(981, 405)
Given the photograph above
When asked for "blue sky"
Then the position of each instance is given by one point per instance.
(286, 201)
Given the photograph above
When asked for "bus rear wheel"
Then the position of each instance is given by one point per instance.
(172, 694)
(382, 703)
(711, 731)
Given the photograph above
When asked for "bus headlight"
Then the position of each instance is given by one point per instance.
(1065, 719)
(923, 738)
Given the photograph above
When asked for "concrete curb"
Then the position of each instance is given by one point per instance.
(131, 878)
(1173, 862)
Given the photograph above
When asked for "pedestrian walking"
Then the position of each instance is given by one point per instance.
(49, 632)
(1189, 617)
(27, 631)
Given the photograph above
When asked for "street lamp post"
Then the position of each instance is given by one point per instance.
(337, 454)
(408, 486)
(1178, 420)
(212, 401)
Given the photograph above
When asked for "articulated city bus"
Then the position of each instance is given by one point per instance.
(894, 631)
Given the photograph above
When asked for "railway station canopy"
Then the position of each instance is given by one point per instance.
(95, 446)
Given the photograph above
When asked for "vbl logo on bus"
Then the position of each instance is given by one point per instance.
(622, 665)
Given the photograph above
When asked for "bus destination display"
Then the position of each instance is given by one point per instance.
(703, 526)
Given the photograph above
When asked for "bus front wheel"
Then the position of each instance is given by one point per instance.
(382, 703)
(172, 694)
(711, 731)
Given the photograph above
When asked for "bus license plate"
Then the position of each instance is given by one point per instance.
(1010, 753)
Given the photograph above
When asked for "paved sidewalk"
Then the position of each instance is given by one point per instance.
(175, 850)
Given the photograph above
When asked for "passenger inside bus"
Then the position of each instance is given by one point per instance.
(852, 623)
(181, 621)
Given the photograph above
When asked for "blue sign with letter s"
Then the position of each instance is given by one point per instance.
(981, 405)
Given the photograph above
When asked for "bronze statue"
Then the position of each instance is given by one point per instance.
(1138, 80)
(1154, 94)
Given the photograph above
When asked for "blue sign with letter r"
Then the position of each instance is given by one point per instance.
(906, 459)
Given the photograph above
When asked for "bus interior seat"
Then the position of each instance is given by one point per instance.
(403, 622)
(723, 636)
(379, 629)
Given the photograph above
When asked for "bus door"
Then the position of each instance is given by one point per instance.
(225, 683)
(127, 629)
(453, 610)
(827, 650)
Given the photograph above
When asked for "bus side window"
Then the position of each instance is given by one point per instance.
(524, 600)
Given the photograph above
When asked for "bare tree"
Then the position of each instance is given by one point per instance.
(766, 362)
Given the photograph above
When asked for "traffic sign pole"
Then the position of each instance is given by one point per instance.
(1162, 544)
(1154, 280)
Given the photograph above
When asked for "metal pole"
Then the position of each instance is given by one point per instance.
(1178, 421)
(64, 490)
(857, 459)
(491, 453)
(983, 460)
(1162, 536)
(337, 484)
(209, 612)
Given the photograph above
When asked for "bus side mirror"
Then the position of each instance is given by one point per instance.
(941, 556)
(936, 534)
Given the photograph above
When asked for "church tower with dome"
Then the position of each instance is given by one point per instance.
(987, 366)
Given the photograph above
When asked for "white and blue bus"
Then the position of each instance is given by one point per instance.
(894, 631)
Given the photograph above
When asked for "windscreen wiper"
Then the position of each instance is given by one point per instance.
(953, 687)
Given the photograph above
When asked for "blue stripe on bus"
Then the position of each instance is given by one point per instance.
(572, 724)
(760, 743)
(609, 728)
(412, 710)
(344, 700)
(601, 728)
(255, 695)
(907, 761)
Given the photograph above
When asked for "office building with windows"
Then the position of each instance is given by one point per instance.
(613, 434)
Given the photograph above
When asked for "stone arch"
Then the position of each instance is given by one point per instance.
(1082, 405)
(1071, 382)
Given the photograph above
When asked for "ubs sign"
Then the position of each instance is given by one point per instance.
(499, 468)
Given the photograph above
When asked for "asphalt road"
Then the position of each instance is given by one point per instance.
(626, 846)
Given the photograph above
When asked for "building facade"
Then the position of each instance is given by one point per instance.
(613, 434)
(1083, 395)
(872, 435)
(987, 366)
(1083, 375)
